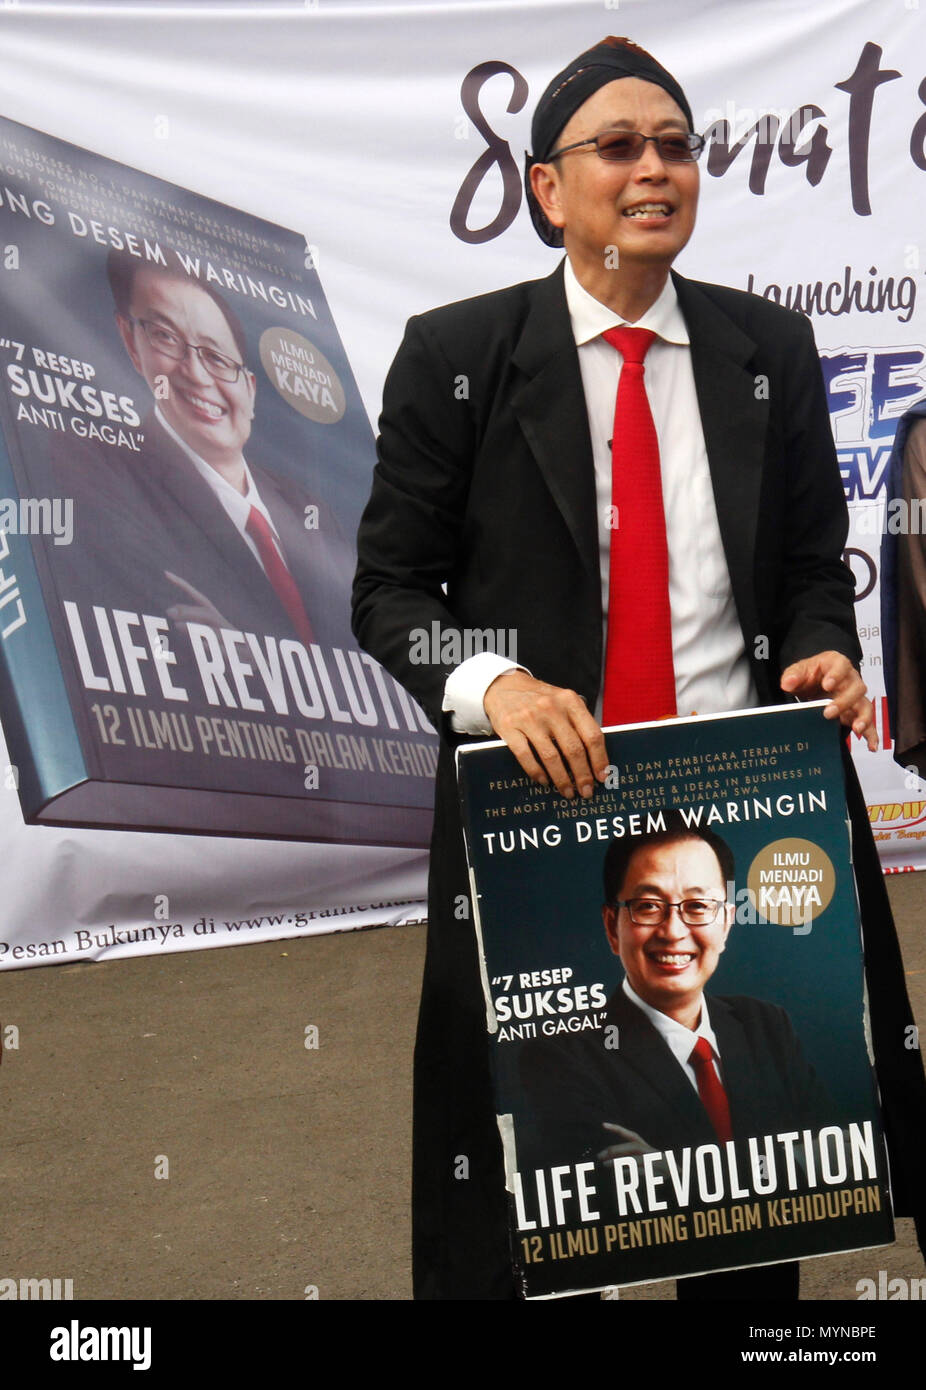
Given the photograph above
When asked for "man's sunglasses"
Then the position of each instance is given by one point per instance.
(625, 145)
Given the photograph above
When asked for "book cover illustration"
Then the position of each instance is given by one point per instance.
(185, 458)
(675, 1004)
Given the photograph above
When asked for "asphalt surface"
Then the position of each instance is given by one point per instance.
(165, 1132)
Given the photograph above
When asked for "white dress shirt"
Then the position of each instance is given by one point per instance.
(712, 672)
(679, 1039)
(237, 504)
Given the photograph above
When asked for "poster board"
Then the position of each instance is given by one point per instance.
(801, 1168)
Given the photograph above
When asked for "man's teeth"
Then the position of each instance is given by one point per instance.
(209, 407)
(648, 210)
(665, 958)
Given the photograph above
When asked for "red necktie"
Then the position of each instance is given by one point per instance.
(710, 1089)
(258, 529)
(639, 677)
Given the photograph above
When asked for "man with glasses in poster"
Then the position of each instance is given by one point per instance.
(687, 1068)
(190, 527)
(635, 473)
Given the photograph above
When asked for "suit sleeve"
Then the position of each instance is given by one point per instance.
(566, 1105)
(817, 594)
(813, 1104)
(411, 534)
(116, 555)
(771, 1084)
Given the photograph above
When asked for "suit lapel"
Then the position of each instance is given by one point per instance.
(297, 541)
(316, 557)
(550, 408)
(742, 1082)
(734, 418)
(641, 1048)
(213, 526)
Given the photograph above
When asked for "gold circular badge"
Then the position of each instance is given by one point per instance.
(791, 882)
(302, 375)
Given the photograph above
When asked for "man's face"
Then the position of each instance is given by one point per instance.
(212, 416)
(669, 965)
(599, 204)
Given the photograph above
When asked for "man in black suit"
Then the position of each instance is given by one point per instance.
(491, 509)
(683, 1068)
(189, 526)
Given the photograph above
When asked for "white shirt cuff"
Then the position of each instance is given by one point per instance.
(466, 687)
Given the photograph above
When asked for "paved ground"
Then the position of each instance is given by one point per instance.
(282, 1166)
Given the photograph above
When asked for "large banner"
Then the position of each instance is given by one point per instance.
(175, 646)
(390, 138)
(714, 863)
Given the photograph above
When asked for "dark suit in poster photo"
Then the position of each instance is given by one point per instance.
(172, 529)
(491, 493)
(672, 1065)
(144, 521)
(580, 1085)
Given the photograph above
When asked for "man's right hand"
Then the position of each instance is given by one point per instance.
(549, 730)
(627, 1144)
(199, 610)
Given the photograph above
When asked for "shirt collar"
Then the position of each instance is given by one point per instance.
(590, 318)
(680, 1039)
(240, 502)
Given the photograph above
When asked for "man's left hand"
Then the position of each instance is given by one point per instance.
(832, 674)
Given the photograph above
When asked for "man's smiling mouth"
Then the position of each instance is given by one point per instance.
(674, 958)
(210, 408)
(648, 210)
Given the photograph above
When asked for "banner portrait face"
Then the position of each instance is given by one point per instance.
(669, 962)
(180, 341)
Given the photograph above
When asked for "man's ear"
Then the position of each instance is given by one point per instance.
(127, 334)
(609, 917)
(545, 186)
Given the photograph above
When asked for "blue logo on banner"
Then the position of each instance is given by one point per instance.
(868, 389)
